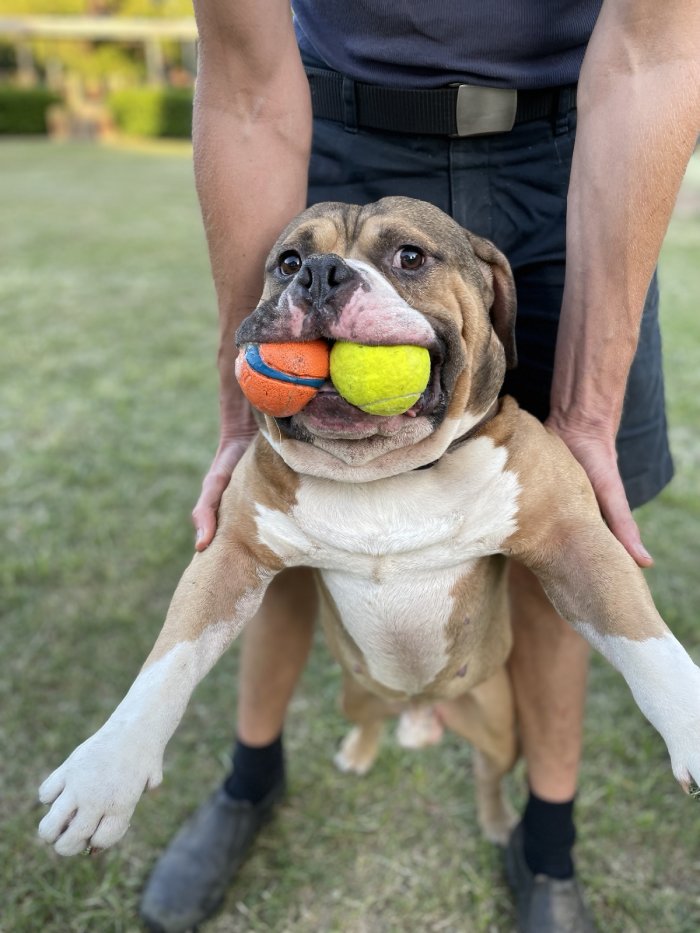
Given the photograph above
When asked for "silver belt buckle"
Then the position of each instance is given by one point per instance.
(482, 110)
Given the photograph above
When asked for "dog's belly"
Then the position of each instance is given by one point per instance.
(398, 623)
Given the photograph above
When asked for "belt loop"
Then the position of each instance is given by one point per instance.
(349, 105)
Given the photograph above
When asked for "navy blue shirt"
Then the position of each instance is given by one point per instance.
(431, 43)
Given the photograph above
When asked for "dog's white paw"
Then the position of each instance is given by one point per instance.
(357, 751)
(94, 792)
(686, 769)
(419, 728)
(679, 725)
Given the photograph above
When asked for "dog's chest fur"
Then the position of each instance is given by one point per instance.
(400, 557)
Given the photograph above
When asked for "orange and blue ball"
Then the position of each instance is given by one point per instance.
(279, 379)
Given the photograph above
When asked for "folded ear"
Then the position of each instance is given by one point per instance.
(499, 279)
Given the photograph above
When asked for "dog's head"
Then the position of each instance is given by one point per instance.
(399, 271)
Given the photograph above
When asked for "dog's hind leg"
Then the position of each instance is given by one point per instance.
(359, 748)
(486, 717)
(494, 810)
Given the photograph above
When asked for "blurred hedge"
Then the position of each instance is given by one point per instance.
(23, 110)
(153, 111)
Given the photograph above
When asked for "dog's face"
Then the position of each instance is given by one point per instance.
(399, 271)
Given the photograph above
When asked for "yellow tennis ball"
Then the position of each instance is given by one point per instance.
(380, 380)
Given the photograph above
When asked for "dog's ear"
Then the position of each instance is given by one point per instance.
(496, 271)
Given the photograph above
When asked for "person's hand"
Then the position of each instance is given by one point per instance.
(595, 451)
(204, 514)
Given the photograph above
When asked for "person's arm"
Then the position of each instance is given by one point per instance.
(252, 138)
(638, 121)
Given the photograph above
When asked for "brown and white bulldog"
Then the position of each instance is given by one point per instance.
(409, 520)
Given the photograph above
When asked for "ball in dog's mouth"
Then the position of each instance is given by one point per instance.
(324, 412)
(381, 380)
(329, 415)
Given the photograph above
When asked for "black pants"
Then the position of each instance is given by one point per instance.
(510, 188)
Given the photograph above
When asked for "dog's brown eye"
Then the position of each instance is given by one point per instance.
(409, 258)
(289, 263)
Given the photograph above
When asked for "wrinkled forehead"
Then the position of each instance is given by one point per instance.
(354, 231)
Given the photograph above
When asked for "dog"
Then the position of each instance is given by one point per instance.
(409, 521)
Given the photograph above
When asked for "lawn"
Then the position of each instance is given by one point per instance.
(107, 423)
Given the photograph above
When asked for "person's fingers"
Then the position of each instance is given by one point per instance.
(597, 457)
(616, 511)
(205, 512)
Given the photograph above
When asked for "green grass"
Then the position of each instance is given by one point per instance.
(107, 423)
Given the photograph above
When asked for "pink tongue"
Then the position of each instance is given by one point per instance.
(330, 412)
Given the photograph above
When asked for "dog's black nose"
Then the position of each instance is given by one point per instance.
(320, 277)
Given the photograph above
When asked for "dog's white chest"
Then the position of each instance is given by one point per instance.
(392, 551)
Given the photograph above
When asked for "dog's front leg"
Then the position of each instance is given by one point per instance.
(595, 585)
(94, 792)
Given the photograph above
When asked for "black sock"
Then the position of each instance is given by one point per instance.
(548, 837)
(256, 770)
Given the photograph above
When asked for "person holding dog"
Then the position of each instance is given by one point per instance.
(561, 132)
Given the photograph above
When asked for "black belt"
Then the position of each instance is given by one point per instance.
(459, 110)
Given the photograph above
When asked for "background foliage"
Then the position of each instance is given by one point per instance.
(23, 110)
(153, 111)
(96, 63)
